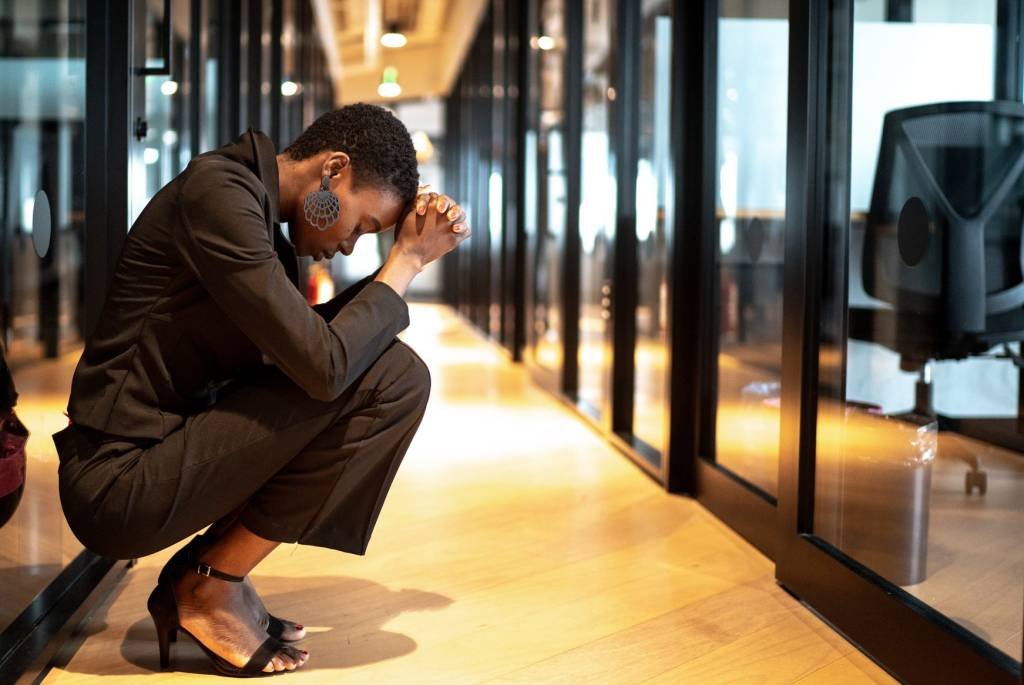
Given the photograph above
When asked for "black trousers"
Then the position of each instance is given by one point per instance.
(297, 469)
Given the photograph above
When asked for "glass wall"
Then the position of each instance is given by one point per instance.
(920, 447)
(750, 220)
(597, 209)
(653, 220)
(42, 216)
(546, 214)
(912, 424)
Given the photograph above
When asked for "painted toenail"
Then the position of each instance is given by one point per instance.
(298, 626)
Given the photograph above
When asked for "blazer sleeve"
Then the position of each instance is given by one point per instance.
(226, 244)
(331, 307)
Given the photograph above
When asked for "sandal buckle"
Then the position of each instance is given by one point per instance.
(203, 569)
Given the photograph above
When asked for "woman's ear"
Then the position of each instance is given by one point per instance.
(335, 163)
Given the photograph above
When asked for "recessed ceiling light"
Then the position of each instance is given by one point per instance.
(393, 38)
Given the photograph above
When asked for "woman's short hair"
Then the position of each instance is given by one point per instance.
(377, 143)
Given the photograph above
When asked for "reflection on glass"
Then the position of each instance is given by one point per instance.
(166, 147)
(597, 208)
(210, 92)
(267, 48)
(751, 202)
(550, 191)
(920, 468)
(652, 220)
(42, 148)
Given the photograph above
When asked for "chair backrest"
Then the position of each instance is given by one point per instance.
(943, 238)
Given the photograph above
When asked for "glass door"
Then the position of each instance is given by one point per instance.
(750, 224)
(920, 453)
(743, 245)
(903, 490)
(654, 217)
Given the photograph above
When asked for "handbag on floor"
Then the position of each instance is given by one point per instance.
(13, 436)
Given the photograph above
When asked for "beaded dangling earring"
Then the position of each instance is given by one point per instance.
(322, 207)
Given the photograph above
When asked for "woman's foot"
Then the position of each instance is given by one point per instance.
(220, 615)
(292, 631)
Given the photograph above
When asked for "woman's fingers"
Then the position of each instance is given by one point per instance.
(443, 203)
(446, 207)
(423, 201)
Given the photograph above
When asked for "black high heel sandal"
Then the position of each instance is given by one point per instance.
(189, 554)
(163, 607)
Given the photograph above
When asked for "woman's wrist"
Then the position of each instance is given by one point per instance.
(400, 269)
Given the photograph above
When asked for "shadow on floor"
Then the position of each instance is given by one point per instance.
(345, 632)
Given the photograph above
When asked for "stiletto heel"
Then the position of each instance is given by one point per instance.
(166, 630)
(166, 638)
(163, 607)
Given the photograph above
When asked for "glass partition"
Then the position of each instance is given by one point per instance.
(653, 219)
(920, 436)
(548, 193)
(597, 209)
(751, 217)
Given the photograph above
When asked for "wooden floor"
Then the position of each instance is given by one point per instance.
(515, 547)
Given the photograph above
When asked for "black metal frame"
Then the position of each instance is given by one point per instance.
(1009, 68)
(625, 115)
(694, 46)
(41, 629)
(573, 103)
(228, 36)
(195, 75)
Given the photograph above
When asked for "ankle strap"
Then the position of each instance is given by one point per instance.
(207, 570)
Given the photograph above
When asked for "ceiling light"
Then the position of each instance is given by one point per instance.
(389, 87)
(546, 43)
(169, 87)
(289, 88)
(393, 38)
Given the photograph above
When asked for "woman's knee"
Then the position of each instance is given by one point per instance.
(412, 375)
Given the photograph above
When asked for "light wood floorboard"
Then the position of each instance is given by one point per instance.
(515, 546)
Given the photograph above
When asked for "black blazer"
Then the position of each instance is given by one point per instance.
(206, 288)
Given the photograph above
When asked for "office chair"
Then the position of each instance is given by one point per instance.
(943, 245)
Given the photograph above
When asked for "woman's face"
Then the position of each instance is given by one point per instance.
(364, 209)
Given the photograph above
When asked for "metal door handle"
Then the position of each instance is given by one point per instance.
(165, 68)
